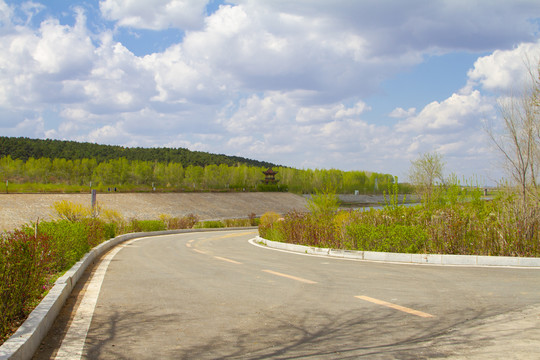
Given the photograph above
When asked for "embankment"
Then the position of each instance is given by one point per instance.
(19, 209)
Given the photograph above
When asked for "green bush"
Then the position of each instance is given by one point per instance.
(69, 241)
(394, 238)
(146, 225)
(237, 222)
(210, 224)
(25, 267)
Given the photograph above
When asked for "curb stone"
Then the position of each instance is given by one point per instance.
(402, 258)
(25, 341)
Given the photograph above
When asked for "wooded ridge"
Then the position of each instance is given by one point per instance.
(24, 148)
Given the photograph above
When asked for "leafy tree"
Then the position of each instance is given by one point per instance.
(425, 172)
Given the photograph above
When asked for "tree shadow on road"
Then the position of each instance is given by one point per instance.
(276, 333)
(381, 334)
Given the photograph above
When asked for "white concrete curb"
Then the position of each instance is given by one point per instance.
(23, 344)
(434, 259)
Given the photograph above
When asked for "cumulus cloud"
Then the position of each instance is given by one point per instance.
(401, 113)
(504, 70)
(456, 112)
(156, 14)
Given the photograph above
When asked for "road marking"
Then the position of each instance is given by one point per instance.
(290, 277)
(229, 260)
(396, 307)
(73, 343)
(199, 251)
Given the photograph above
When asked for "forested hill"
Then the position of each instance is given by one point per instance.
(25, 148)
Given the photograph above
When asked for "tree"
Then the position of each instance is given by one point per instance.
(518, 140)
(424, 173)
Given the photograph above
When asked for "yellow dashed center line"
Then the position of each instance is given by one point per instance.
(290, 277)
(394, 306)
(228, 260)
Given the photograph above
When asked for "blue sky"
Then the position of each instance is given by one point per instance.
(352, 85)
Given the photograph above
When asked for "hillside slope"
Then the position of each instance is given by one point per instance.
(18, 209)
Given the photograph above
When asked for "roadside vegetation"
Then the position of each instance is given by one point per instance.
(454, 219)
(34, 256)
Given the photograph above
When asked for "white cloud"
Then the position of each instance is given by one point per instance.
(505, 70)
(33, 127)
(156, 14)
(402, 113)
(455, 113)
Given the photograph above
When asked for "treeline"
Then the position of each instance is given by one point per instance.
(25, 148)
(134, 175)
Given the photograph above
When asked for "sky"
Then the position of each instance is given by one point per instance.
(318, 84)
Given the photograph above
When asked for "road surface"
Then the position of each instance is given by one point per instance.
(216, 296)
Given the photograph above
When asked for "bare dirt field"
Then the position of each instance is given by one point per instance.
(19, 209)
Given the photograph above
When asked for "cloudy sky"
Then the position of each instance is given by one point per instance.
(345, 84)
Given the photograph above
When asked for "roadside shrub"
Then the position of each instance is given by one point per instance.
(98, 231)
(113, 218)
(237, 222)
(67, 210)
(323, 204)
(146, 225)
(172, 223)
(210, 224)
(459, 222)
(395, 238)
(69, 241)
(269, 218)
(253, 221)
(267, 221)
(25, 267)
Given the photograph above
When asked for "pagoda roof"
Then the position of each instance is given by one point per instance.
(269, 172)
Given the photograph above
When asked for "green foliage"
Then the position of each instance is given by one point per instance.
(266, 224)
(391, 198)
(210, 224)
(425, 173)
(393, 238)
(25, 267)
(75, 167)
(25, 148)
(237, 222)
(459, 224)
(69, 241)
(324, 203)
(145, 225)
(67, 210)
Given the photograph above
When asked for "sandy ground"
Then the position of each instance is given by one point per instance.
(19, 209)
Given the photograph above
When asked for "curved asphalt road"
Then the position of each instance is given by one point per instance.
(215, 295)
